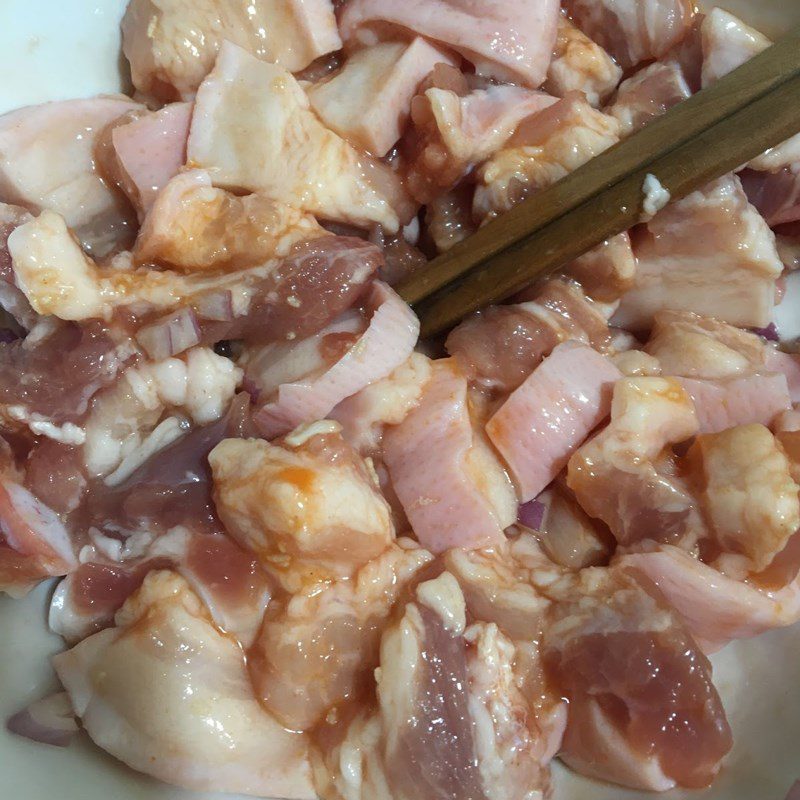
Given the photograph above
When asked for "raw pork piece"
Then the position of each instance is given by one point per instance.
(307, 506)
(648, 94)
(643, 711)
(453, 132)
(449, 721)
(167, 693)
(626, 475)
(368, 101)
(500, 346)
(194, 227)
(449, 481)
(148, 151)
(711, 253)
(775, 194)
(254, 130)
(544, 149)
(47, 162)
(510, 40)
(548, 417)
(172, 44)
(633, 31)
(581, 65)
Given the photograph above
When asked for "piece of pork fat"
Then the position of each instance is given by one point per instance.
(194, 227)
(12, 299)
(449, 481)
(749, 496)
(510, 40)
(627, 475)
(318, 647)
(229, 581)
(47, 162)
(141, 151)
(171, 44)
(717, 608)
(452, 132)
(643, 711)
(34, 544)
(648, 94)
(711, 253)
(167, 693)
(544, 148)
(500, 346)
(633, 31)
(727, 42)
(368, 101)
(152, 405)
(730, 374)
(450, 721)
(282, 299)
(549, 416)
(581, 65)
(605, 272)
(254, 130)
(306, 505)
(387, 342)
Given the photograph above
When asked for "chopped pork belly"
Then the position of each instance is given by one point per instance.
(510, 40)
(254, 130)
(193, 227)
(500, 346)
(581, 65)
(47, 162)
(750, 498)
(168, 693)
(308, 506)
(710, 253)
(727, 43)
(776, 195)
(643, 711)
(318, 648)
(452, 133)
(386, 343)
(607, 271)
(544, 149)
(368, 101)
(626, 475)
(714, 607)
(449, 720)
(633, 31)
(172, 44)
(549, 416)
(147, 151)
(647, 94)
(448, 218)
(451, 484)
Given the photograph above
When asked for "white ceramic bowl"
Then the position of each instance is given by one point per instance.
(54, 49)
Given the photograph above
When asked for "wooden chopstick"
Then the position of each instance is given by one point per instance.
(715, 131)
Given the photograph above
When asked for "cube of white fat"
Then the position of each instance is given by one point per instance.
(368, 101)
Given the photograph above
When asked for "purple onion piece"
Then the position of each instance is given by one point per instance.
(770, 333)
(216, 306)
(794, 792)
(170, 335)
(7, 336)
(531, 514)
(49, 721)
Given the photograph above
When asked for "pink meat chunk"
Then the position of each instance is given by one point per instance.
(549, 416)
(511, 40)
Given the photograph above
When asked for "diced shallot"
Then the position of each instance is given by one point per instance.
(170, 335)
(50, 720)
